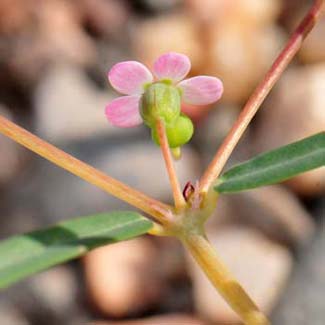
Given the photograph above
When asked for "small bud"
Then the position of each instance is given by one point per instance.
(188, 191)
(178, 134)
(160, 101)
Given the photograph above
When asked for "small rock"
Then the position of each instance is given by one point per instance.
(46, 298)
(286, 119)
(105, 17)
(256, 12)
(261, 266)
(172, 262)
(172, 319)
(275, 211)
(240, 36)
(303, 303)
(205, 10)
(313, 47)
(311, 183)
(17, 218)
(14, 15)
(247, 49)
(152, 38)
(10, 154)
(52, 32)
(69, 107)
(123, 278)
(61, 30)
(259, 12)
(56, 288)
(214, 127)
(10, 315)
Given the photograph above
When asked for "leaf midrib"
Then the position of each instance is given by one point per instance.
(71, 243)
(251, 172)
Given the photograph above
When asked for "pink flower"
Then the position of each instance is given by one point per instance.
(132, 78)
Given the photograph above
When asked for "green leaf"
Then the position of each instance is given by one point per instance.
(23, 255)
(275, 166)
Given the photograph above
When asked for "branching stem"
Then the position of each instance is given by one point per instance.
(84, 171)
(191, 235)
(258, 96)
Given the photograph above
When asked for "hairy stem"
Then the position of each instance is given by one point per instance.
(223, 281)
(177, 193)
(258, 96)
(84, 171)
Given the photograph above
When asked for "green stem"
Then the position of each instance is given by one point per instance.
(205, 255)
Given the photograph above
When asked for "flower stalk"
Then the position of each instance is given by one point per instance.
(177, 193)
(256, 99)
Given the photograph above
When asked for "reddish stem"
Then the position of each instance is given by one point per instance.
(84, 171)
(258, 96)
(163, 141)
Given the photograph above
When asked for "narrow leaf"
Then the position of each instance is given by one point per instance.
(23, 255)
(275, 166)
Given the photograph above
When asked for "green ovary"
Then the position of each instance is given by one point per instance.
(178, 134)
(160, 101)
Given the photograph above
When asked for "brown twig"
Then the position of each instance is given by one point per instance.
(83, 170)
(258, 96)
(163, 141)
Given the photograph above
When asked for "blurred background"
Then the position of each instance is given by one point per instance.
(54, 57)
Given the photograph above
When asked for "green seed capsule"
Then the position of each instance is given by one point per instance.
(178, 134)
(160, 101)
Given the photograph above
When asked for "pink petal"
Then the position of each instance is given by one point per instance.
(201, 90)
(129, 77)
(173, 66)
(124, 111)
